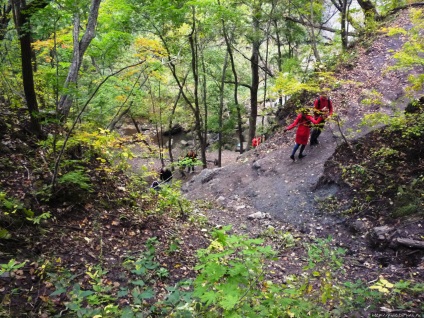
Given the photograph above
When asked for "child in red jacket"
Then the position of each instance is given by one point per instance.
(256, 142)
(303, 120)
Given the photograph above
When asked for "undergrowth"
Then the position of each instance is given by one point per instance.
(385, 171)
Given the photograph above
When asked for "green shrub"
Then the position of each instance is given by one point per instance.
(76, 178)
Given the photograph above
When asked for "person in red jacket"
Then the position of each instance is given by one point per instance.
(303, 121)
(256, 142)
(323, 108)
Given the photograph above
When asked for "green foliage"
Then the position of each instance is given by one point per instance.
(232, 280)
(37, 219)
(387, 5)
(329, 204)
(231, 283)
(4, 234)
(231, 270)
(325, 265)
(288, 85)
(412, 51)
(395, 292)
(409, 199)
(99, 297)
(372, 98)
(345, 59)
(380, 176)
(13, 209)
(322, 257)
(11, 266)
(386, 152)
(187, 163)
(14, 212)
(411, 126)
(76, 178)
(168, 200)
(285, 239)
(357, 295)
(107, 147)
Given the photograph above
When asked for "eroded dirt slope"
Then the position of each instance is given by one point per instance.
(266, 180)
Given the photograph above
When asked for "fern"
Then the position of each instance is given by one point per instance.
(77, 178)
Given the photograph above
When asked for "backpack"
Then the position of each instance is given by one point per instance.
(319, 102)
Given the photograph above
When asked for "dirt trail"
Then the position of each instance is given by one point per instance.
(266, 180)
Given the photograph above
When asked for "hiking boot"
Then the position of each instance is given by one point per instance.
(301, 156)
(292, 157)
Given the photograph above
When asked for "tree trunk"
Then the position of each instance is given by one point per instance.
(4, 19)
(171, 158)
(205, 104)
(221, 108)
(22, 14)
(118, 116)
(313, 38)
(233, 68)
(158, 127)
(254, 67)
(266, 66)
(342, 7)
(80, 46)
(194, 65)
(369, 10)
(194, 68)
(343, 25)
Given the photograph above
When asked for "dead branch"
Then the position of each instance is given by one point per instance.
(409, 242)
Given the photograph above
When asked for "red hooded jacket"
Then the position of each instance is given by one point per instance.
(303, 131)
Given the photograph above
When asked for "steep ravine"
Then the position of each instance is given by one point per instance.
(266, 180)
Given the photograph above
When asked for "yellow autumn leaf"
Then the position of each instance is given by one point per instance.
(386, 283)
(45, 299)
(215, 245)
(309, 288)
(150, 47)
(381, 289)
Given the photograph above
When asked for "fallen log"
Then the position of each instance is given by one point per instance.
(410, 242)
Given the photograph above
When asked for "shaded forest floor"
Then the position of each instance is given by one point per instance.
(303, 200)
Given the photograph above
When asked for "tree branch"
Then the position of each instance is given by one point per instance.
(62, 150)
(316, 26)
(407, 6)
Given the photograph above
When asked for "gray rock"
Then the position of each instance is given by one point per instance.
(259, 215)
(257, 165)
(358, 226)
(207, 175)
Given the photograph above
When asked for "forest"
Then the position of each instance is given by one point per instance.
(94, 99)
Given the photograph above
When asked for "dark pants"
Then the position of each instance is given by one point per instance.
(296, 146)
(316, 132)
